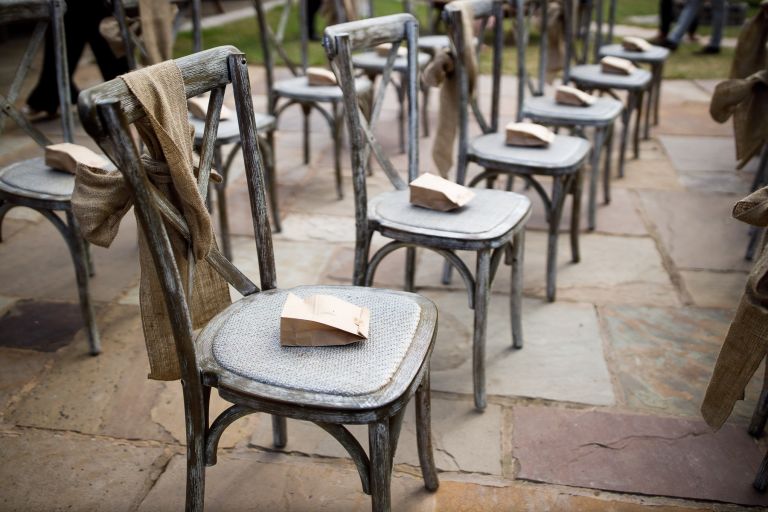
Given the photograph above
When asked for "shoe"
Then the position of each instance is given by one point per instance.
(671, 45)
(658, 39)
(708, 50)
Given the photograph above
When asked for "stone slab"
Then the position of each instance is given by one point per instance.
(663, 357)
(453, 422)
(636, 454)
(697, 230)
(689, 118)
(18, 370)
(562, 358)
(700, 154)
(648, 173)
(38, 325)
(714, 289)
(45, 471)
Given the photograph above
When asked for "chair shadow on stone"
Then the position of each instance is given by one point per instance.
(238, 351)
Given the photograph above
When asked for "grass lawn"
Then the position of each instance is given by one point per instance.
(244, 35)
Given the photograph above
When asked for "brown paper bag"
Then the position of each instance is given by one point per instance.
(528, 134)
(616, 66)
(436, 193)
(322, 320)
(66, 156)
(198, 106)
(635, 44)
(320, 76)
(383, 50)
(567, 95)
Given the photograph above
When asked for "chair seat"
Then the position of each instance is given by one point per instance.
(298, 88)
(491, 214)
(372, 61)
(229, 131)
(564, 154)
(591, 75)
(241, 346)
(35, 180)
(653, 55)
(544, 109)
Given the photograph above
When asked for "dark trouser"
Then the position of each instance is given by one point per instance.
(81, 24)
(667, 16)
(312, 7)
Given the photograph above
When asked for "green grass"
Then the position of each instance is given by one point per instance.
(244, 35)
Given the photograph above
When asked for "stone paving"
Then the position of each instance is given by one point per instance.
(599, 410)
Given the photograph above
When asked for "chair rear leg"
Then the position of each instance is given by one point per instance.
(306, 111)
(516, 293)
(79, 258)
(576, 186)
(608, 167)
(638, 123)
(554, 215)
(424, 434)
(381, 472)
(410, 269)
(221, 204)
(279, 431)
(594, 175)
(625, 127)
(337, 134)
(482, 298)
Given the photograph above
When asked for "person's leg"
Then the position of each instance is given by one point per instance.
(109, 65)
(690, 11)
(666, 15)
(313, 6)
(718, 23)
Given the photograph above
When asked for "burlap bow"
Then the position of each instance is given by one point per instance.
(101, 198)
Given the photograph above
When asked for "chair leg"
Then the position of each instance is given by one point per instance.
(381, 472)
(362, 249)
(657, 95)
(576, 187)
(279, 431)
(608, 167)
(272, 182)
(447, 273)
(648, 110)
(4, 208)
(77, 249)
(482, 298)
(555, 214)
(338, 128)
(626, 120)
(425, 110)
(516, 293)
(638, 124)
(195, 501)
(410, 268)
(594, 175)
(306, 111)
(89, 259)
(424, 435)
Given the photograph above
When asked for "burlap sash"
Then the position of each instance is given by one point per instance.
(441, 73)
(747, 341)
(101, 198)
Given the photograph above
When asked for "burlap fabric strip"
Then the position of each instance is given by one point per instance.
(101, 198)
(745, 95)
(747, 341)
(441, 72)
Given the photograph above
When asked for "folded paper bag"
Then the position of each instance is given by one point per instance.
(616, 66)
(383, 50)
(66, 156)
(436, 193)
(528, 134)
(198, 106)
(322, 320)
(635, 44)
(320, 77)
(567, 95)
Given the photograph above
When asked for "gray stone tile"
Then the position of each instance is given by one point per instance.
(637, 454)
(700, 154)
(453, 422)
(38, 325)
(18, 370)
(697, 229)
(714, 289)
(562, 358)
(47, 470)
(663, 357)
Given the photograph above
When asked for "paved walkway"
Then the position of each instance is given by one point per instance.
(599, 411)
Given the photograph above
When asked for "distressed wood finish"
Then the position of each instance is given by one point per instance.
(340, 41)
(106, 111)
(51, 206)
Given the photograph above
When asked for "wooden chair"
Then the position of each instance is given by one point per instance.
(655, 58)
(591, 78)
(492, 225)
(239, 351)
(543, 109)
(297, 91)
(561, 161)
(31, 183)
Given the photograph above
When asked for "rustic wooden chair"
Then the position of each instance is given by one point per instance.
(655, 58)
(239, 351)
(326, 100)
(492, 225)
(561, 161)
(31, 183)
(543, 109)
(591, 78)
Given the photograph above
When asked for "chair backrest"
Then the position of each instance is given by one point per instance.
(483, 10)
(584, 42)
(339, 42)
(46, 13)
(273, 38)
(106, 110)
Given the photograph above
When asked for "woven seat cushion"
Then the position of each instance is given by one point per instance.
(565, 153)
(372, 61)
(244, 339)
(655, 54)
(298, 88)
(229, 131)
(544, 109)
(489, 215)
(592, 76)
(33, 179)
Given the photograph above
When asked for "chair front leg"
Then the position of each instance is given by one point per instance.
(380, 468)
(424, 434)
(482, 299)
(608, 167)
(306, 110)
(594, 175)
(516, 293)
(638, 123)
(80, 259)
(629, 108)
(279, 431)
(362, 249)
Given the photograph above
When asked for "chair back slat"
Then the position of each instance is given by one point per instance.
(274, 39)
(208, 146)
